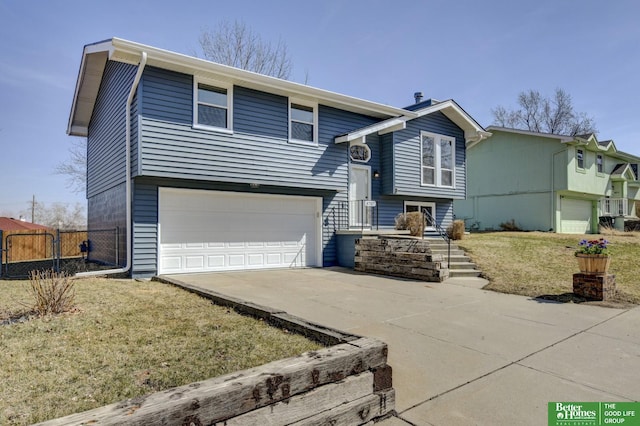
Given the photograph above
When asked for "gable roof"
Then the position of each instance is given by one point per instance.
(473, 132)
(588, 140)
(623, 171)
(95, 56)
(11, 224)
(562, 138)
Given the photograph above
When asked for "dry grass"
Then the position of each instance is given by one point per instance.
(542, 264)
(124, 339)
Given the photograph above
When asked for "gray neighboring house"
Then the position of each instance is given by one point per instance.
(206, 167)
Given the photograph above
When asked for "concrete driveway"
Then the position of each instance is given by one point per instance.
(461, 355)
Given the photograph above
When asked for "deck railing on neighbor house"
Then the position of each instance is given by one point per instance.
(614, 207)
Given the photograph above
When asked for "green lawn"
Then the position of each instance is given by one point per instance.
(542, 264)
(124, 339)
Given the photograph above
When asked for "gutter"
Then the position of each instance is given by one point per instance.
(132, 92)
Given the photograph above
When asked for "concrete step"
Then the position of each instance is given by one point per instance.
(460, 273)
(454, 252)
(457, 258)
(462, 265)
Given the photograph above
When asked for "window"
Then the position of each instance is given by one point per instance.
(599, 163)
(438, 159)
(580, 158)
(417, 206)
(360, 153)
(212, 106)
(302, 123)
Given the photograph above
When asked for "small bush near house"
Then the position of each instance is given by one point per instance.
(510, 226)
(401, 221)
(412, 221)
(455, 231)
(52, 292)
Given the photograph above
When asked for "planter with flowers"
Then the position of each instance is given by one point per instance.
(593, 257)
(594, 282)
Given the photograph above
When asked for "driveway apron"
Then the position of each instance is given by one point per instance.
(461, 355)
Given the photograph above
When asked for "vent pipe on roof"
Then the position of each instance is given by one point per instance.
(418, 97)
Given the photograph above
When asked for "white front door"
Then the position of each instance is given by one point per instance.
(359, 192)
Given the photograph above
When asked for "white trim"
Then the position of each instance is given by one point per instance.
(473, 132)
(218, 85)
(361, 167)
(370, 129)
(437, 154)
(308, 104)
(188, 64)
(367, 149)
(353, 210)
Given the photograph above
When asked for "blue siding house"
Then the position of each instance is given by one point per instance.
(206, 167)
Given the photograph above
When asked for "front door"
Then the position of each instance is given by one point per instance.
(359, 193)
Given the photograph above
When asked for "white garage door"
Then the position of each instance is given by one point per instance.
(204, 231)
(576, 216)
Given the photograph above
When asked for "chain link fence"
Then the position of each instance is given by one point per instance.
(62, 251)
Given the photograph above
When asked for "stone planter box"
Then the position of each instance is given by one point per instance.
(594, 287)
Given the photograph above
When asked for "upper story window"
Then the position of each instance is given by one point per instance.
(580, 158)
(599, 163)
(212, 106)
(437, 159)
(303, 119)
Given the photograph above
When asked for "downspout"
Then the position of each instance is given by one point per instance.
(132, 92)
(553, 187)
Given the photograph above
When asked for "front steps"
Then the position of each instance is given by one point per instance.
(461, 265)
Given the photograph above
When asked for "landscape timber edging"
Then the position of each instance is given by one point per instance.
(348, 383)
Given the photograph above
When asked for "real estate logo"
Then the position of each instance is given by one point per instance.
(594, 413)
(575, 413)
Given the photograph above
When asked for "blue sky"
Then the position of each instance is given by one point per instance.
(480, 53)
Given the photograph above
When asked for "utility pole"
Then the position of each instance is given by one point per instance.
(33, 208)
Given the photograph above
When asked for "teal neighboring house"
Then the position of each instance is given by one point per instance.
(547, 182)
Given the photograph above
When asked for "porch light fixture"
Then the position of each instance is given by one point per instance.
(376, 174)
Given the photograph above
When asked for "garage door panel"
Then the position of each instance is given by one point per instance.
(211, 231)
(575, 216)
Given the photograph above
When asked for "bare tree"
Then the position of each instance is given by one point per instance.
(75, 168)
(57, 215)
(237, 45)
(538, 113)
